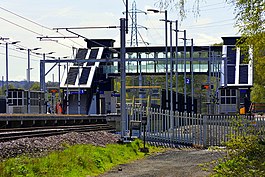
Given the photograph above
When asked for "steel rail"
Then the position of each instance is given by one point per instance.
(18, 133)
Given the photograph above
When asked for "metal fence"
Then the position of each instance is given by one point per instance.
(194, 129)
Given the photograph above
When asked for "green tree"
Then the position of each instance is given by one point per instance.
(35, 86)
(250, 19)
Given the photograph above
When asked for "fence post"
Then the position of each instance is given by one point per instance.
(205, 131)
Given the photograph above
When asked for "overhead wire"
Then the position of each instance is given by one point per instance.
(31, 30)
(38, 24)
(24, 58)
(23, 51)
(144, 42)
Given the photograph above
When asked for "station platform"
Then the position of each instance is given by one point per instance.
(33, 120)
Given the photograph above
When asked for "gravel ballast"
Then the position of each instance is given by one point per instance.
(38, 146)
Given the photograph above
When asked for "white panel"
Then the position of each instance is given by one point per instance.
(91, 74)
(250, 68)
(224, 55)
(237, 66)
(93, 105)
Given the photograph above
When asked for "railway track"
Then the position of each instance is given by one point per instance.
(16, 133)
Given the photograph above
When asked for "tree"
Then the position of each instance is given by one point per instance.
(35, 86)
(250, 18)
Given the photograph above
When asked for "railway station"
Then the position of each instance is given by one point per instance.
(213, 77)
(89, 86)
(172, 93)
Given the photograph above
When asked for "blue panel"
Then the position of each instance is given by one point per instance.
(231, 55)
(81, 55)
(93, 55)
(243, 74)
(71, 76)
(84, 75)
(231, 74)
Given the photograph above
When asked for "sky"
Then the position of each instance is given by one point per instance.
(26, 20)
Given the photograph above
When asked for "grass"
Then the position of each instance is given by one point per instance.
(75, 161)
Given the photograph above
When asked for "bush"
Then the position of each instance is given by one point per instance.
(245, 152)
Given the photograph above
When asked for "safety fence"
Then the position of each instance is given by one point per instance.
(194, 129)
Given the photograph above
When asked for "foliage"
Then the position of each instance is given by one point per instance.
(250, 19)
(179, 5)
(245, 152)
(35, 86)
(78, 160)
(249, 15)
(258, 93)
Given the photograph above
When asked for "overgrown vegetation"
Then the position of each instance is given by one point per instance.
(78, 160)
(244, 153)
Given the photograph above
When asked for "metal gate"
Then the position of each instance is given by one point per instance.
(193, 129)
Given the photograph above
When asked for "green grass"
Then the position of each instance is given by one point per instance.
(75, 161)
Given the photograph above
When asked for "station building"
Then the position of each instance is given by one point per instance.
(88, 87)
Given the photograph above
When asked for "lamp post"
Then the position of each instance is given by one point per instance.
(191, 71)
(28, 75)
(171, 78)
(192, 78)
(176, 73)
(7, 43)
(124, 121)
(166, 50)
(185, 71)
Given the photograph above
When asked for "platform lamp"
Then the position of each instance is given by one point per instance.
(166, 47)
(7, 43)
(28, 75)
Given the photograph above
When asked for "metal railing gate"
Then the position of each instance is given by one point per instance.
(190, 129)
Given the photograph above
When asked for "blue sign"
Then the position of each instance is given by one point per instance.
(76, 92)
(115, 95)
(187, 80)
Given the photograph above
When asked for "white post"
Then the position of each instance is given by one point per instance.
(205, 131)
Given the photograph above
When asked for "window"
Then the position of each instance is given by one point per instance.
(15, 102)
(19, 94)
(233, 92)
(14, 94)
(228, 96)
(233, 100)
(228, 100)
(19, 102)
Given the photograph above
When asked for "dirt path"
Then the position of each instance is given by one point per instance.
(173, 163)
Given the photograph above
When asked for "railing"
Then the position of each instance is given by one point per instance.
(194, 129)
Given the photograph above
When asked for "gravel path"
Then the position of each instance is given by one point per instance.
(173, 163)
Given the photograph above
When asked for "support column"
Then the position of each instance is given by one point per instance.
(124, 123)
